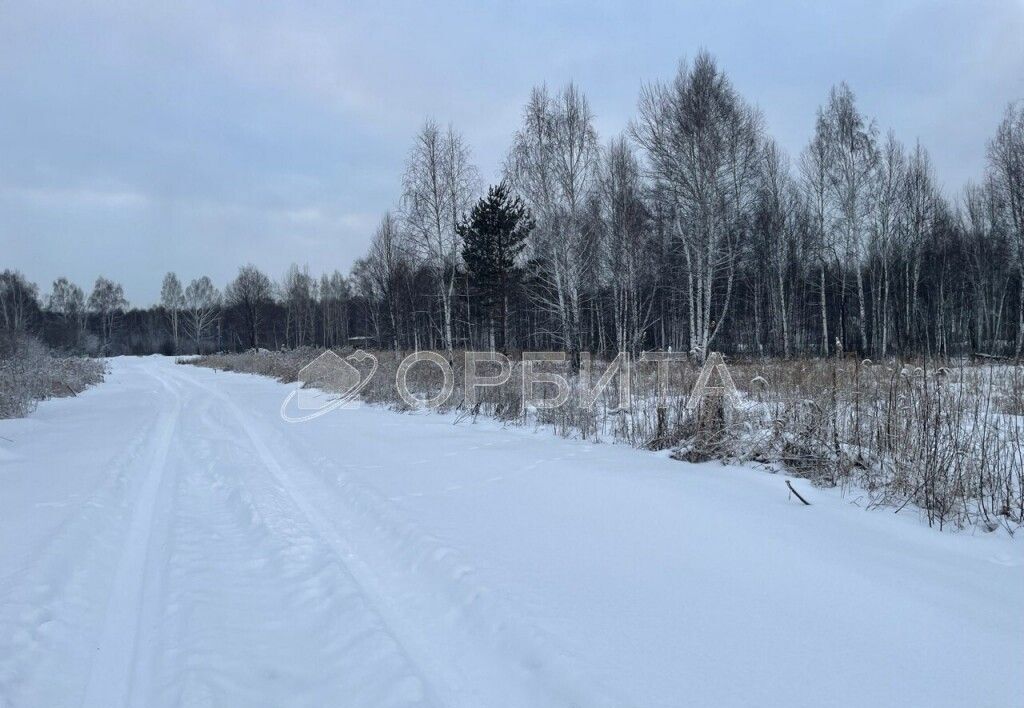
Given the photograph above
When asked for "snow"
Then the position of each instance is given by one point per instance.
(166, 539)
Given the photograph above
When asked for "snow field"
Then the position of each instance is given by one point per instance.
(168, 540)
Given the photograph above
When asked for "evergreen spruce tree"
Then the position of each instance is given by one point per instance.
(493, 236)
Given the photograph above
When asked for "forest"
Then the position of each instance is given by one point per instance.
(691, 231)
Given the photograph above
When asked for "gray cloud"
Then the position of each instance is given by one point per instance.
(136, 139)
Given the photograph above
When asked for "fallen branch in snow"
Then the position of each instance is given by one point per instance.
(68, 387)
(788, 484)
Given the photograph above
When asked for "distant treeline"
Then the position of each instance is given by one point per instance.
(691, 231)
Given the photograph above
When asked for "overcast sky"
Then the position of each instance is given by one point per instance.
(139, 138)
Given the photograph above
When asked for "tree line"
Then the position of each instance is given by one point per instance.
(691, 231)
(252, 312)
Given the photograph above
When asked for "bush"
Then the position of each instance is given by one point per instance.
(30, 373)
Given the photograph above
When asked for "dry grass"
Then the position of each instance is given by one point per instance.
(948, 440)
(30, 373)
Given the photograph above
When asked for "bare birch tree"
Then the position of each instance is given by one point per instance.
(854, 154)
(921, 200)
(172, 300)
(553, 164)
(334, 298)
(777, 227)
(202, 308)
(815, 163)
(18, 300)
(438, 188)
(250, 293)
(627, 247)
(68, 302)
(1006, 165)
(702, 142)
(108, 303)
(889, 224)
(298, 293)
(384, 269)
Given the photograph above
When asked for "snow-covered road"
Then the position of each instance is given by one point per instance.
(167, 540)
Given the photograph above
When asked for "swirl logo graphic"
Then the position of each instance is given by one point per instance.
(328, 383)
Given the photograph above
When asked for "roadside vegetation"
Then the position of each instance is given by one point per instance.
(947, 441)
(30, 372)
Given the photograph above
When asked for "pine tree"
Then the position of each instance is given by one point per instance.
(493, 236)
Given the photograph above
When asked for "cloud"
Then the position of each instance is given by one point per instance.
(74, 198)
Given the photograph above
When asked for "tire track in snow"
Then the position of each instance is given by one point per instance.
(257, 601)
(111, 672)
(46, 607)
(500, 662)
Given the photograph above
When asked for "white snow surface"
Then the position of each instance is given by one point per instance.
(166, 539)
